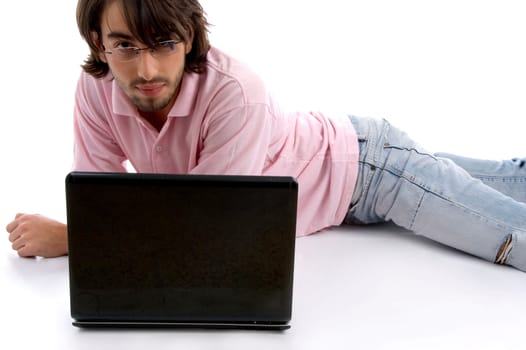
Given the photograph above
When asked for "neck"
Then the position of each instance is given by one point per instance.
(157, 119)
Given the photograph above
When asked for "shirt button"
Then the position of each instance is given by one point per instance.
(159, 149)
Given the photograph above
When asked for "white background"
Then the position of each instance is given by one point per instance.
(451, 73)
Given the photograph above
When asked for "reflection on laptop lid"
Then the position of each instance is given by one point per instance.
(151, 250)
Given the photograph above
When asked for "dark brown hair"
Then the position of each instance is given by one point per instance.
(148, 20)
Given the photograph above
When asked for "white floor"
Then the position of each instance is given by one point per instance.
(365, 288)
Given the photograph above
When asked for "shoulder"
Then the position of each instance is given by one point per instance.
(89, 87)
(93, 96)
(236, 78)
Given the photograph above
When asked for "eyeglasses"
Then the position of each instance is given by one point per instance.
(130, 53)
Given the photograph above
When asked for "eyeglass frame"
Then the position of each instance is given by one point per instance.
(137, 50)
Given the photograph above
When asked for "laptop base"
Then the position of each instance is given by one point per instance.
(187, 325)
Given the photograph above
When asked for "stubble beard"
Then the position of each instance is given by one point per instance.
(150, 104)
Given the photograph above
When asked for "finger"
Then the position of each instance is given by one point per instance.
(14, 224)
(14, 236)
(11, 226)
(18, 244)
(25, 252)
(16, 229)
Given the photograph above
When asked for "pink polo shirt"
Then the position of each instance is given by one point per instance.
(224, 121)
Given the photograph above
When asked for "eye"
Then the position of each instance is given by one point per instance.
(123, 45)
(166, 44)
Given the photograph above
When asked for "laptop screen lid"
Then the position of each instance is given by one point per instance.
(187, 250)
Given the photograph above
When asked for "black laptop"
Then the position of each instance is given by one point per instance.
(199, 251)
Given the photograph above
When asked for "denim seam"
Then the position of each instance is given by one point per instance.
(413, 219)
(498, 224)
(367, 182)
(371, 156)
(380, 145)
(505, 227)
(509, 179)
(389, 146)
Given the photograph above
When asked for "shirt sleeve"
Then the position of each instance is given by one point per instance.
(236, 142)
(94, 147)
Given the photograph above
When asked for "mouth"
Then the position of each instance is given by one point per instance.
(150, 89)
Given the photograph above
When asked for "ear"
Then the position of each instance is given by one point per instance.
(100, 46)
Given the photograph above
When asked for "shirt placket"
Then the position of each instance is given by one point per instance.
(159, 150)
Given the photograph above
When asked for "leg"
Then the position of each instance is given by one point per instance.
(508, 176)
(432, 196)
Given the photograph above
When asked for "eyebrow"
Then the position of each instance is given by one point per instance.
(120, 35)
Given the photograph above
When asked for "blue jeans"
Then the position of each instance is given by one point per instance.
(463, 203)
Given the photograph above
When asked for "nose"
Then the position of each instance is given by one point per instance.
(147, 65)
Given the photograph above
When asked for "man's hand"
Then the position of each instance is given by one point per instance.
(36, 235)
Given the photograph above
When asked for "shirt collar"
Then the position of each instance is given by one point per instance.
(183, 106)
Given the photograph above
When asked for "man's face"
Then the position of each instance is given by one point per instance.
(151, 82)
